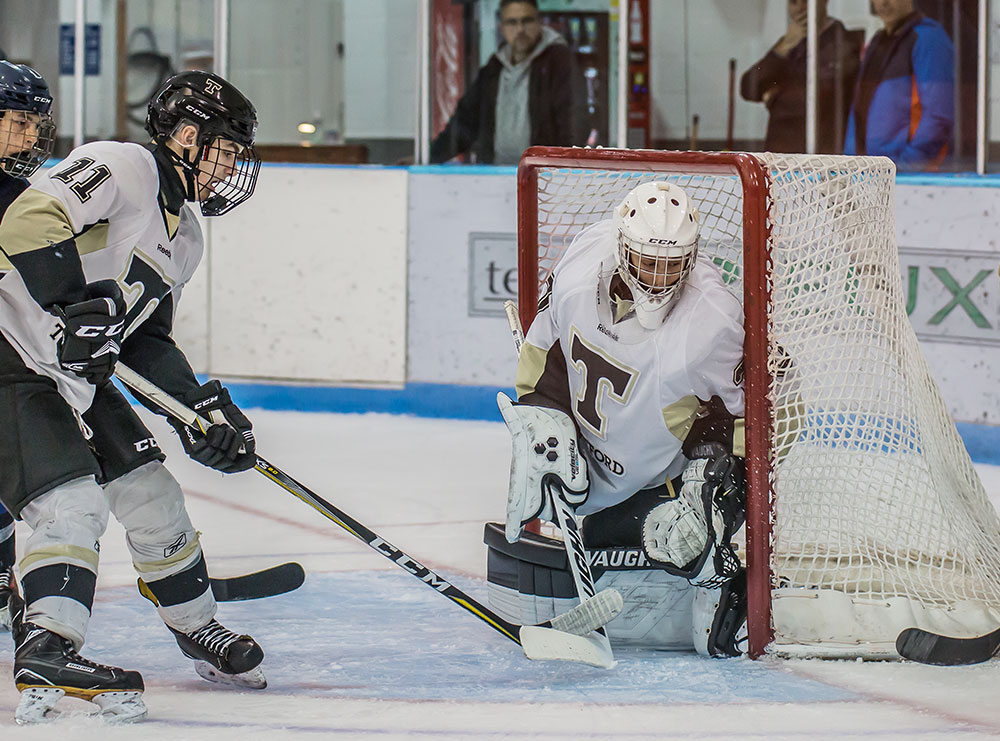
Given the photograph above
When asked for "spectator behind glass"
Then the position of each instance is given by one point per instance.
(523, 95)
(904, 100)
(779, 81)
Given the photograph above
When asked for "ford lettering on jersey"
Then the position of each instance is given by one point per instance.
(604, 459)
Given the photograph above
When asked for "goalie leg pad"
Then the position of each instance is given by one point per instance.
(719, 618)
(530, 582)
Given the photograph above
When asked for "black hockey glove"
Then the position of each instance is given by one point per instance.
(89, 340)
(228, 445)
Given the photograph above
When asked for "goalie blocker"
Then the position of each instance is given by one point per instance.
(530, 581)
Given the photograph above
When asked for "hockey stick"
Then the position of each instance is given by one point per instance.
(579, 563)
(270, 582)
(562, 638)
(931, 648)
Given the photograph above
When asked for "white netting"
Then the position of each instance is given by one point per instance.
(880, 521)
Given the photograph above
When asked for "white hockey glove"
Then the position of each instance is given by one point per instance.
(678, 532)
(544, 454)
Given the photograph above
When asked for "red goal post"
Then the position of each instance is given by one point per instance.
(808, 243)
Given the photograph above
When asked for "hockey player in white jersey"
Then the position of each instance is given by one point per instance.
(635, 356)
(101, 248)
(27, 135)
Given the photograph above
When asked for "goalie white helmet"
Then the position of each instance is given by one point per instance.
(657, 226)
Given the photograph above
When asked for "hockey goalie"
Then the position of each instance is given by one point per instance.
(630, 406)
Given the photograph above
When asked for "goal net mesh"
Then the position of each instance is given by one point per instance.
(875, 504)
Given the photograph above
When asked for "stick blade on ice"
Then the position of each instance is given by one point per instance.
(930, 648)
(548, 644)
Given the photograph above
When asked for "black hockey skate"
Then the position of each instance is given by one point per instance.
(46, 668)
(8, 588)
(223, 656)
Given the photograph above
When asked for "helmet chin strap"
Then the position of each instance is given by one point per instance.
(190, 183)
(188, 166)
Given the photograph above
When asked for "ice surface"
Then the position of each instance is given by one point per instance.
(363, 650)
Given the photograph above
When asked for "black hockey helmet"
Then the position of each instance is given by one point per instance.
(24, 99)
(219, 111)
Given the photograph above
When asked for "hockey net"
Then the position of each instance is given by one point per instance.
(865, 514)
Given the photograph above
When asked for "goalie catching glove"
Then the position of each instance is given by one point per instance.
(228, 445)
(691, 535)
(545, 457)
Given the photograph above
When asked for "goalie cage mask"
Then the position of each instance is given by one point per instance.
(657, 231)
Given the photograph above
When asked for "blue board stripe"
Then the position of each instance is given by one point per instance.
(449, 401)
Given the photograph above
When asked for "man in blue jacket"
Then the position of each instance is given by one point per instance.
(904, 101)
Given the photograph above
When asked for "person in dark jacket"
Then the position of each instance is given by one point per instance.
(904, 102)
(523, 95)
(779, 81)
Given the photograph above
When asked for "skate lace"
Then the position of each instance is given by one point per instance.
(214, 637)
(77, 658)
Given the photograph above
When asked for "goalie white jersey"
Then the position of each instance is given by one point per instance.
(106, 200)
(635, 394)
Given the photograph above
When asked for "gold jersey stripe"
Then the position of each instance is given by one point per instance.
(680, 415)
(171, 222)
(530, 366)
(34, 221)
(94, 239)
(739, 438)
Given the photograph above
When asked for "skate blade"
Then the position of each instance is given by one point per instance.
(37, 705)
(120, 707)
(253, 679)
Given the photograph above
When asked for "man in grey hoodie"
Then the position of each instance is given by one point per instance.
(523, 96)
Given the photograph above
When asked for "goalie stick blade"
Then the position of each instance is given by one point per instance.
(590, 614)
(276, 580)
(930, 648)
(548, 644)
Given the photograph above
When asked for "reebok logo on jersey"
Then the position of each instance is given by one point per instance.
(604, 330)
(165, 251)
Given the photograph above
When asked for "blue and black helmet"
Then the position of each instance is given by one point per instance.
(27, 131)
